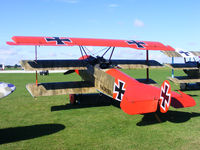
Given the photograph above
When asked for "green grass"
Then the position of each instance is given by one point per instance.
(27, 123)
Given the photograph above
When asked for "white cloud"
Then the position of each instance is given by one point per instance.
(113, 5)
(128, 53)
(8, 55)
(192, 44)
(159, 56)
(4, 52)
(138, 23)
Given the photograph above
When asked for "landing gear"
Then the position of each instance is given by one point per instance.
(157, 117)
(44, 73)
(183, 86)
(72, 99)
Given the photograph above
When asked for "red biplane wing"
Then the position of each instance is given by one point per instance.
(66, 41)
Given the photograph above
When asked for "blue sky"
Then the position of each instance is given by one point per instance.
(172, 22)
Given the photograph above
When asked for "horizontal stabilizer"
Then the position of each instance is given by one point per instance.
(60, 88)
(53, 64)
(131, 64)
(182, 100)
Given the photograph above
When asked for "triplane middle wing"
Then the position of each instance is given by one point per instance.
(102, 75)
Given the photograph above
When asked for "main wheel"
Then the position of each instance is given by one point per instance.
(183, 86)
(72, 99)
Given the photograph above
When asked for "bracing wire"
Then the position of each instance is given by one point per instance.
(106, 49)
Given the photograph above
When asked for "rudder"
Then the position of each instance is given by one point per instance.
(165, 96)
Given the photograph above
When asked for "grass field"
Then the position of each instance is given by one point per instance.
(27, 123)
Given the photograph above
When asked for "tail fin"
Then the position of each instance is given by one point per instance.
(165, 97)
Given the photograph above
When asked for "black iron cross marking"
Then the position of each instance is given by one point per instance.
(165, 96)
(119, 89)
(137, 43)
(58, 40)
(186, 53)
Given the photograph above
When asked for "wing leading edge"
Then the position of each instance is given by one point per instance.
(66, 41)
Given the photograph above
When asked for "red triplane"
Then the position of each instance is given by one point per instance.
(104, 76)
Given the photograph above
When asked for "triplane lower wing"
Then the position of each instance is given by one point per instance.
(103, 75)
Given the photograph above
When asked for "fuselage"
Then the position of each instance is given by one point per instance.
(115, 83)
(135, 97)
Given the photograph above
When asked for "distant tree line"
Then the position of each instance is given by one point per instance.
(14, 66)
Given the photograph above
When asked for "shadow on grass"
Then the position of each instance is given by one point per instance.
(74, 106)
(15, 134)
(171, 116)
(88, 100)
(148, 119)
(79, 106)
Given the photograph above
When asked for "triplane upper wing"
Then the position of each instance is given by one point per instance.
(65, 41)
(102, 75)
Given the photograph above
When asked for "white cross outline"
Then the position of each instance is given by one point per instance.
(61, 38)
(168, 94)
(182, 53)
(119, 87)
(137, 43)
